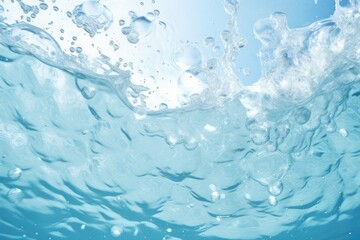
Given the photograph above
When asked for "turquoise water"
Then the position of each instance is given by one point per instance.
(157, 120)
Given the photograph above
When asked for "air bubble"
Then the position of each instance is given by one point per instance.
(209, 42)
(225, 35)
(259, 135)
(116, 231)
(92, 16)
(122, 22)
(162, 24)
(302, 115)
(343, 132)
(276, 188)
(15, 195)
(43, 6)
(215, 196)
(14, 174)
(133, 37)
(156, 12)
(246, 71)
(272, 200)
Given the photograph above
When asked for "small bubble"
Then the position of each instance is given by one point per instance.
(122, 22)
(14, 174)
(83, 227)
(162, 24)
(246, 71)
(212, 187)
(215, 196)
(156, 12)
(125, 30)
(275, 189)
(225, 35)
(43, 6)
(133, 37)
(132, 14)
(302, 115)
(331, 127)
(15, 195)
(259, 135)
(56, 8)
(209, 42)
(78, 49)
(87, 92)
(116, 231)
(19, 140)
(343, 132)
(169, 230)
(272, 201)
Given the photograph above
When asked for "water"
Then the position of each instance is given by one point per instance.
(125, 131)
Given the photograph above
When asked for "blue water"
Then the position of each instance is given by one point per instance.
(206, 120)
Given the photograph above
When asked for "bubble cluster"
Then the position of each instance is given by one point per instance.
(92, 16)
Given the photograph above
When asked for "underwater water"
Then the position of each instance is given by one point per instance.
(181, 119)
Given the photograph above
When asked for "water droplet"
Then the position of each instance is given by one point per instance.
(14, 174)
(116, 231)
(15, 195)
(272, 201)
(343, 132)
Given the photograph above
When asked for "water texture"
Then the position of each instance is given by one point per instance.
(111, 128)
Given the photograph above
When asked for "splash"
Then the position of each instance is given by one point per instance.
(166, 142)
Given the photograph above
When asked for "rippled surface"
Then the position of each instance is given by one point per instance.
(152, 138)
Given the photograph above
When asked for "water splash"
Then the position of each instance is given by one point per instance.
(85, 153)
